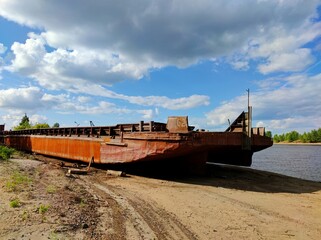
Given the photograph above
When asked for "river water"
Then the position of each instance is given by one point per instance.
(301, 161)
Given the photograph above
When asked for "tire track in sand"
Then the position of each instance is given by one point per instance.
(144, 220)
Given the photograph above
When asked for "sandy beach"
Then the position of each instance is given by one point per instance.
(229, 203)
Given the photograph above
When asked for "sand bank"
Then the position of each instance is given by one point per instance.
(230, 203)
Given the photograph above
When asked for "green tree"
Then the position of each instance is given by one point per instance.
(309, 137)
(268, 134)
(292, 136)
(314, 136)
(276, 138)
(24, 123)
(41, 125)
(56, 125)
(304, 138)
(282, 138)
(319, 135)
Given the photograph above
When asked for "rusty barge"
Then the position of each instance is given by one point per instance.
(174, 142)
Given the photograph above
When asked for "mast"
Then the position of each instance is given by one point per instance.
(249, 114)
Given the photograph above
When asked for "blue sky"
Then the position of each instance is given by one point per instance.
(124, 61)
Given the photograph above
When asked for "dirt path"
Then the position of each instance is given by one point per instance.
(232, 203)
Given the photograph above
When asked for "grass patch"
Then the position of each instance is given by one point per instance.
(82, 203)
(15, 203)
(17, 180)
(51, 189)
(5, 152)
(53, 236)
(43, 208)
(25, 215)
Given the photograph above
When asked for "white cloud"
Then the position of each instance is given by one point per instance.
(227, 111)
(14, 118)
(83, 99)
(21, 98)
(10, 120)
(290, 62)
(240, 65)
(71, 107)
(18, 101)
(173, 104)
(157, 101)
(95, 48)
(282, 50)
(35, 118)
(28, 56)
(105, 47)
(147, 114)
(300, 124)
(2, 48)
(62, 69)
(297, 100)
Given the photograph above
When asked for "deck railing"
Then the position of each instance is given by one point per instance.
(93, 131)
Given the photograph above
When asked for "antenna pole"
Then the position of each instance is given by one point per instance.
(248, 97)
(249, 114)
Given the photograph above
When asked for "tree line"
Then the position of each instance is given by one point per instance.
(26, 124)
(313, 136)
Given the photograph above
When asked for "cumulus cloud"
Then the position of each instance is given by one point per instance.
(95, 43)
(36, 118)
(61, 69)
(26, 98)
(15, 102)
(95, 48)
(282, 50)
(69, 70)
(27, 56)
(31, 99)
(296, 100)
(290, 62)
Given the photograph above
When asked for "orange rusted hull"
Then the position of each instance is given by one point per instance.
(127, 143)
(133, 147)
(69, 148)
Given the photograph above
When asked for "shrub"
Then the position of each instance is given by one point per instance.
(25, 215)
(5, 152)
(43, 208)
(15, 203)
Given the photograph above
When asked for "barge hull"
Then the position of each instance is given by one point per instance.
(175, 141)
(196, 147)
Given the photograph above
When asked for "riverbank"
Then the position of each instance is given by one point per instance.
(297, 143)
(230, 203)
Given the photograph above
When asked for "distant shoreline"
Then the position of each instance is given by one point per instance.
(297, 143)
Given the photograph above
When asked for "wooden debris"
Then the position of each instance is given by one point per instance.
(115, 173)
(79, 171)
